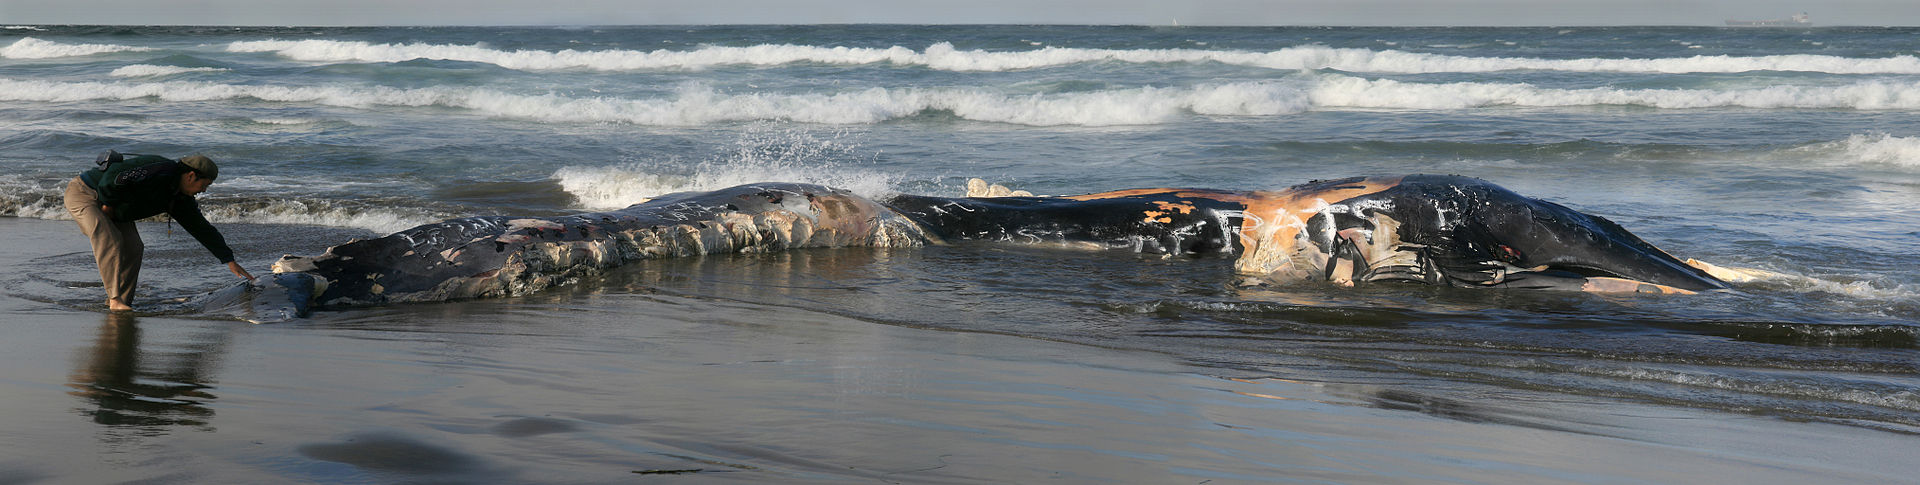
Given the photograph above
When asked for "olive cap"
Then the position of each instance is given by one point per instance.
(203, 165)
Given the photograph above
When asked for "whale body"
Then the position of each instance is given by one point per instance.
(1426, 229)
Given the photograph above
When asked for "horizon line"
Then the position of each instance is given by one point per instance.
(981, 24)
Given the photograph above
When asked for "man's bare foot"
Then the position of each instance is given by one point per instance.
(116, 305)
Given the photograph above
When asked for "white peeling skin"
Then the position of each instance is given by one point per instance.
(518, 224)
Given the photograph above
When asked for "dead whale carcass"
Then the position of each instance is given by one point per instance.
(1443, 230)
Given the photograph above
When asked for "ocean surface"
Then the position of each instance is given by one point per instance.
(1790, 150)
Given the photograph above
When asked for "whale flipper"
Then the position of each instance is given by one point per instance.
(268, 299)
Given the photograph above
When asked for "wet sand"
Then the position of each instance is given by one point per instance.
(625, 385)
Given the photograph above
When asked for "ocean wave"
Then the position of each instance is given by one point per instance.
(761, 156)
(610, 60)
(944, 56)
(146, 70)
(1882, 149)
(1854, 287)
(1859, 286)
(698, 105)
(31, 48)
(1876, 394)
(1864, 151)
(20, 197)
(328, 186)
(377, 218)
(1353, 92)
(23, 27)
(617, 187)
(286, 121)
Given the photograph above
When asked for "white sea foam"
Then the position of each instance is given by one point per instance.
(23, 27)
(144, 70)
(286, 121)
(21, 197)
(378, 220)
(1867, 287)
(760, 156)
(31, 48)
(1879, 394)
(608, 60)
(944, 56)
(1353, 92)
(1857, 288)
(319, 213)
(608, 188)
(1883, 149)
(1878, 150)
(696, 105)
(331, 186)
(616, 187)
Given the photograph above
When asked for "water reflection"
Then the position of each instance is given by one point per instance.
(1703, 351)
(123, 385)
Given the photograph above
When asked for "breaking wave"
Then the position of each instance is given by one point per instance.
(286, 121)
(146, 70)
(20, 197)
(1858, 151)
(31, 48)
(944, 56)
(761, 156)
(1882, 149)
(1866, 287)
(375, 217)
(698, 105)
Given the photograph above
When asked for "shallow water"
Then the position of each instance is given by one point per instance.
(1786, 150)
(599, 384)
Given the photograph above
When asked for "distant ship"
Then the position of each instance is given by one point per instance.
(1800, 20)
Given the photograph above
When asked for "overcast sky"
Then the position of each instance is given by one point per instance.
(1140, 12)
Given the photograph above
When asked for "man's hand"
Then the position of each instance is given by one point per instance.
(239, 271)
(107, 209)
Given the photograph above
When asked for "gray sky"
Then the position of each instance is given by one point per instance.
(1145, 12)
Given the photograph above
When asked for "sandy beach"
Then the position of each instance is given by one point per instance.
(610, 384)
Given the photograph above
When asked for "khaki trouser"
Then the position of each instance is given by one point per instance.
(116, 245)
